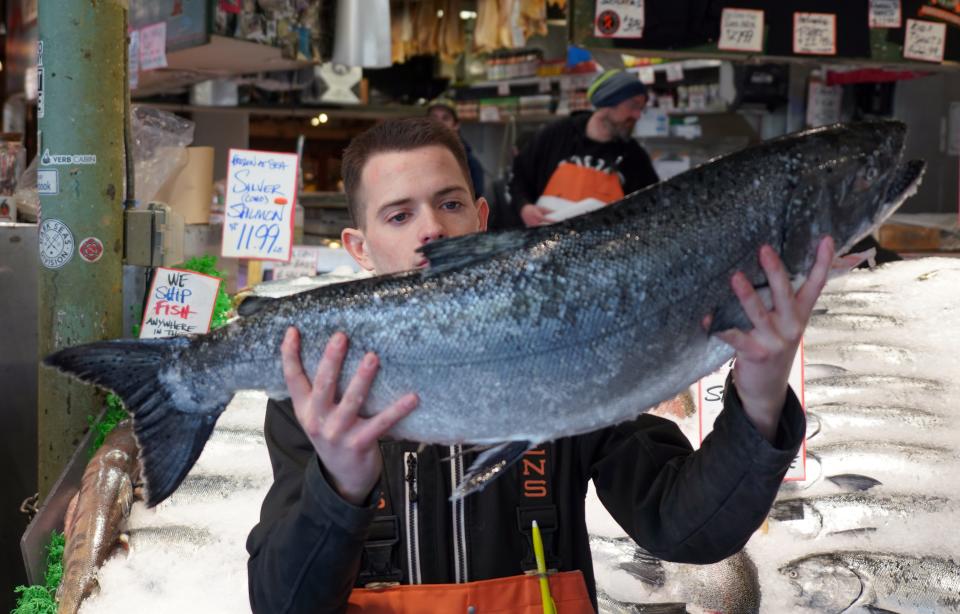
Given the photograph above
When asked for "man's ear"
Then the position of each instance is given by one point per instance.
(483, 213)
(356, 245)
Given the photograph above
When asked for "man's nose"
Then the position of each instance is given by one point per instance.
(431, 229)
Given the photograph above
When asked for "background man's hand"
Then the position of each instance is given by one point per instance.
(533, 215)
(346, 443)
(765, 354)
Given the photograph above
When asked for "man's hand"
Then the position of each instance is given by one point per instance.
(766, 353)
(346, 443)
(534, 215)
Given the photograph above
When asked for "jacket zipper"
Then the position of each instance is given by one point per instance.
(413, 517)
(459, 518)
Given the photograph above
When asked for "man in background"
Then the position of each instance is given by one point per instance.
(444, 111)
(587, 160)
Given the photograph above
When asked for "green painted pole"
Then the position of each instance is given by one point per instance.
(82, 74)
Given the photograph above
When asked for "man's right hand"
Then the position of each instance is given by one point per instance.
(534, 215)
(347, 444)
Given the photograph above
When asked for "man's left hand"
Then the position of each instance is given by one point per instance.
(766, 353)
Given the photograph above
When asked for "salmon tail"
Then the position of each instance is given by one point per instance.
(489, 465)
(170, 437)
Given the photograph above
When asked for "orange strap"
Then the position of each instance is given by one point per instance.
(513, 595)
(575, 183)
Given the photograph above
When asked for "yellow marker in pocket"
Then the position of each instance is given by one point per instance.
(548, 606)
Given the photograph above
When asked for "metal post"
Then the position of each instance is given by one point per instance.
(82, 74)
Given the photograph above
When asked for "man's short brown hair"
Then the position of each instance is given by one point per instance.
(396, 135)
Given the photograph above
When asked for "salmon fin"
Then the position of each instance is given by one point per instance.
(786, 510)
(814, 425)
(872, 609)
(489, 465)
(731, 314)
(449, 254)
(852, 481)
(170, 438)
(253, 304)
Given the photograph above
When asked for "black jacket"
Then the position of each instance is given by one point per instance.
(311, 548)
(565, 140)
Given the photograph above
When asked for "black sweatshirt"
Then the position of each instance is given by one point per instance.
(565, 140)
(684, 506)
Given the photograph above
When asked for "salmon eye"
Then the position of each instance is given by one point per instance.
(872, 173)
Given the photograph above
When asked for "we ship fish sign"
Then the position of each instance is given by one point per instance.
(710, 403)
(259, 209)
(180, 303)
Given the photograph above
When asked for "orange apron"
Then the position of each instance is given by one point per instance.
(575, 183)
(513, 595)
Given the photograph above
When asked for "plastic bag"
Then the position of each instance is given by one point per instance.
(160, 141)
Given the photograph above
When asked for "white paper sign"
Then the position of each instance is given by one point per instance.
(133, 59)
(885, 14)
(48, 181)
(741, 30)
(180, 303)
(674, 72)
(824, 104)
(153, 46)
(815, 33)
(710, 403)
(261, 195)
(646, 75)
(924, 40)
(619, 19)
(303, 263)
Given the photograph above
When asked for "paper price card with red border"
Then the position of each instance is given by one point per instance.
(261, 194)
(619, 19)
(924, 40)
(710, 402)
(180, 303)
(815, 33)
(741, 30)
(885, 14)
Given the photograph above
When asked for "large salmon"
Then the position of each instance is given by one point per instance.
(529, 335)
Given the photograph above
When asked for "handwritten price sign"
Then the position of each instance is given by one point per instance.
(924, 40)
(710, 403)
(259, 209)
(815, 33)
(885, 13)
(180, 303)
(741, 30)
(619, 19)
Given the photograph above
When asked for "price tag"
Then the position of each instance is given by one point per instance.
(503, 89)
(710, 403)
(304, 261)
(741, 30)
(619, 19)
(647, 75)
(489, 113)
(261, 194)
(180, 303)
(885, 14)
(824, 103)
(153, 46)
(674, 72)
(815, 33)
(924, 41)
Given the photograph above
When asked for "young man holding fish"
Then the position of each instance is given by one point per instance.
(349, 515)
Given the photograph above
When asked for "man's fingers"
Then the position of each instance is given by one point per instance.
(297, 382)
(328, 371)
(354, 396)
(374, 428)
(810, 292)
(751, 302)
(777, 278)
(745, 345)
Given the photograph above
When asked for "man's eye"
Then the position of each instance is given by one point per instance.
(398, 218)
(451, 205)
